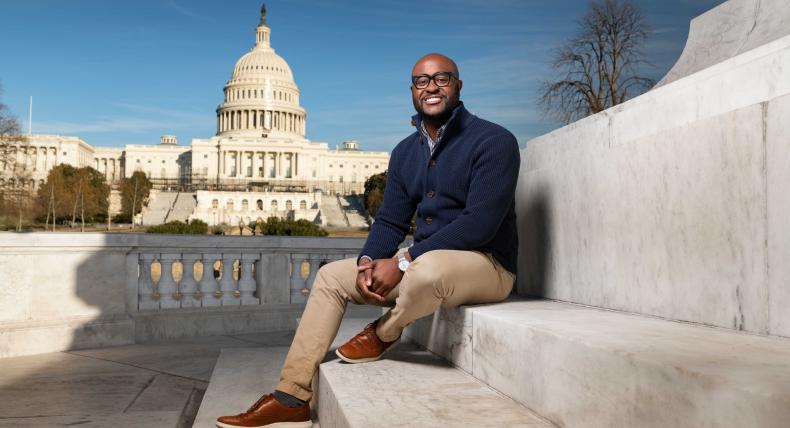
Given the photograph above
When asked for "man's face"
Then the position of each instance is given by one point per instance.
(434, 101)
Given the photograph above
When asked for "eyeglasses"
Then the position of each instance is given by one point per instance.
(441, 79)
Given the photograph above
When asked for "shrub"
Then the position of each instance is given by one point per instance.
(195, 227)
(281, 227)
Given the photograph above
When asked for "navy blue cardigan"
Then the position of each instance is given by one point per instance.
(464, 194)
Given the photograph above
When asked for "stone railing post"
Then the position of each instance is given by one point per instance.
(298, 290)
(227, 285)
(247, 285)
(315, 265)
(188, 287)
(273, 286)
(149, 299)
(167, 286)
(209, 287)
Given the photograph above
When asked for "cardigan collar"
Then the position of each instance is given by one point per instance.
(458, 118)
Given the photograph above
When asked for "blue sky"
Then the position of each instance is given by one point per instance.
(117, 73)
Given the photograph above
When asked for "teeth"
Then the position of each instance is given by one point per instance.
(433, 100)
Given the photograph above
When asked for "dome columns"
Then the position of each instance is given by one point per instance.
(246, 119)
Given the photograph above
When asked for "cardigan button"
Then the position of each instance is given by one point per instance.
(428, 220)
(430, 194)
(432, 162)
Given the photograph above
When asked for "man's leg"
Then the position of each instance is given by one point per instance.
(334, 287)
(446, 278)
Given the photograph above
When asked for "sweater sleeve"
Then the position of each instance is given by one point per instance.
(393, 217)
(492, 185)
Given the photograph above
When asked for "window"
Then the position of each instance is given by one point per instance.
(229, 205)
(259, 204)
(289, 205)
(303, 205)
(274, 205)
(245, 205)
(214, 203)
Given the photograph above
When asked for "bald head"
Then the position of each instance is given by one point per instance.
(443, 61)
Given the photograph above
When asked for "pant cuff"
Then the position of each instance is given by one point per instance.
(387, 337)
(295, 390)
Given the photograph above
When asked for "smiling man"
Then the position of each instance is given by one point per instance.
(458, 173)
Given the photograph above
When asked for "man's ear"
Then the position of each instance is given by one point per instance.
(460, 85)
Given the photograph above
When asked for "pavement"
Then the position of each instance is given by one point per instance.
(156, 384)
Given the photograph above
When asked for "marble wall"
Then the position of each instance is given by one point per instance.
(61, 291)
(673, 204)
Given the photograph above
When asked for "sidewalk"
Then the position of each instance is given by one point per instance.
(143, 385)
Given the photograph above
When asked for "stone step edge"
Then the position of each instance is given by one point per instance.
(337, 409)
(461, 343)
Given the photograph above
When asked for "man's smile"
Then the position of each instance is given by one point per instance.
(433, 99)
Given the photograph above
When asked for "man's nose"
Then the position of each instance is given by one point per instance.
(432, 87)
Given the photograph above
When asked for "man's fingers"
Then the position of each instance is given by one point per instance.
(368, 277)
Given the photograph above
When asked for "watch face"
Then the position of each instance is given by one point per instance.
(403, 265)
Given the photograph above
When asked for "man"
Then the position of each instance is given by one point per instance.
(458, 173)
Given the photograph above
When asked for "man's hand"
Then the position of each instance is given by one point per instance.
(365, 281)
(386, 276)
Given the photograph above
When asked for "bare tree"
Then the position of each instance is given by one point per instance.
(600, 66)
(14, 173)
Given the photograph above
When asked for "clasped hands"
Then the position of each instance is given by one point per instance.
(376, 278)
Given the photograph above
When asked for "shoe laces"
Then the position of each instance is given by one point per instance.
(255, 404)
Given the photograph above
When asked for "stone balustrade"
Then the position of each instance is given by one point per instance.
(226, 278)
(65, 290)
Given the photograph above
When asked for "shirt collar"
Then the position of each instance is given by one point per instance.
(454, 119)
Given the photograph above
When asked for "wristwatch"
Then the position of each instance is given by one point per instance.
(403, 262)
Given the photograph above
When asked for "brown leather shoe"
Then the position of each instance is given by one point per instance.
(364, 347)
(268, 412)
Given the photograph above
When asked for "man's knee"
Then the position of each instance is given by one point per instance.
(333, 275)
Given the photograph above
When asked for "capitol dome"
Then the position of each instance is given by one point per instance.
(261, 97)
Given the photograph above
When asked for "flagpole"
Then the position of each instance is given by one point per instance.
(30, 117)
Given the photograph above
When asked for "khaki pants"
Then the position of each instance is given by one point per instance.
(445, 278)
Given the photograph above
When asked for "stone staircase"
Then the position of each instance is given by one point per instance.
(587, 367)
(343, 212)
(409, 388)
(158, 208)
(354, 210)
(183, 207)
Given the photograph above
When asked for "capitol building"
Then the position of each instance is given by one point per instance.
(260, 162)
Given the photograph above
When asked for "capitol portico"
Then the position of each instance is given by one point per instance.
(260, 143)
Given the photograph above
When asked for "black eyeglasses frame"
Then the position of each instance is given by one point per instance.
(432, 77)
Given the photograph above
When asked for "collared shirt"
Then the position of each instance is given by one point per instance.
(431, 142)
(440, 133)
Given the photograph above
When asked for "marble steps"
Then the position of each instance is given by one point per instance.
(585, 367)
(411, 387)
(183, 207)
(241, 375)
(158, 208)
(332, 212)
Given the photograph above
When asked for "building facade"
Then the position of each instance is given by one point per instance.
(260, 143)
